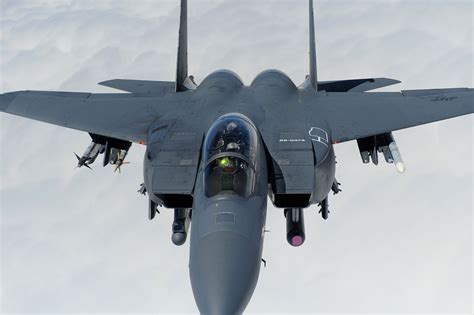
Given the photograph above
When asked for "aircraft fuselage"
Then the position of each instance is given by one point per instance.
(228, 217)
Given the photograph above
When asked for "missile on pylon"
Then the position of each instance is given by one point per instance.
(89, 155)
(397, 158)
(369, 148)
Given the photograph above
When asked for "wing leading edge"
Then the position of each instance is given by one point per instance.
(359, 115)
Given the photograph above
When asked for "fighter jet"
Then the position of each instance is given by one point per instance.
(218, 150)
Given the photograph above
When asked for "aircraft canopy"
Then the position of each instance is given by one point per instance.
(230, 153)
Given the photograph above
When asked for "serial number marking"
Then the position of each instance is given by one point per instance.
(292, 140)
(443, 98)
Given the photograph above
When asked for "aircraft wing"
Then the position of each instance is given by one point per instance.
(120, 116)
(359, 115)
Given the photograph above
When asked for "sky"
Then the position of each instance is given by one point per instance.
(78, 241)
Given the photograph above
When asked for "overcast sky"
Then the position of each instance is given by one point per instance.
(78, 241)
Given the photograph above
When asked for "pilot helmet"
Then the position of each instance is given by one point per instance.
(233, 147)
(232, 127)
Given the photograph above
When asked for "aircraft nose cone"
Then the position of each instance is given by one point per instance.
(224, 270)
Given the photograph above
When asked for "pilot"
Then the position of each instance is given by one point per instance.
(233, 147)
(220, 143)
(229, 138)
(232, 127)
(232, 131)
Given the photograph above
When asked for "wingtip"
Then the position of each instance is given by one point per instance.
(110, 83)
(104, 83)
(390, 80)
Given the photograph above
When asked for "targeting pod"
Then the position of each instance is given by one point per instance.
(182, 218)
(295, 226)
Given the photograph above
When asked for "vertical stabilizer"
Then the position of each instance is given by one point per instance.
(313, 73)
(182, 63)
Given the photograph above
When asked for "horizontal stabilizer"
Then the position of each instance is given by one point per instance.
(141, 87)
(355, 85)
(433, 91)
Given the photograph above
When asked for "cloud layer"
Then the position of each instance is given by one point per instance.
(79, 241)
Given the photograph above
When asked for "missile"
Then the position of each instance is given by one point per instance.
(397, 158)
(81, 161)
(89, 155)
(369, 148)
(94, 152)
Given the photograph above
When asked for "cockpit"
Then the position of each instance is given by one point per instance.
(230, 155)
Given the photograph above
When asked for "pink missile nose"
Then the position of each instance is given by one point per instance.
(296, 241)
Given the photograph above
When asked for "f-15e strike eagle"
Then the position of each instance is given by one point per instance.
(216, 150)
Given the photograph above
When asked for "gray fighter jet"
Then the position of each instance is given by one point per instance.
(217, 150)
